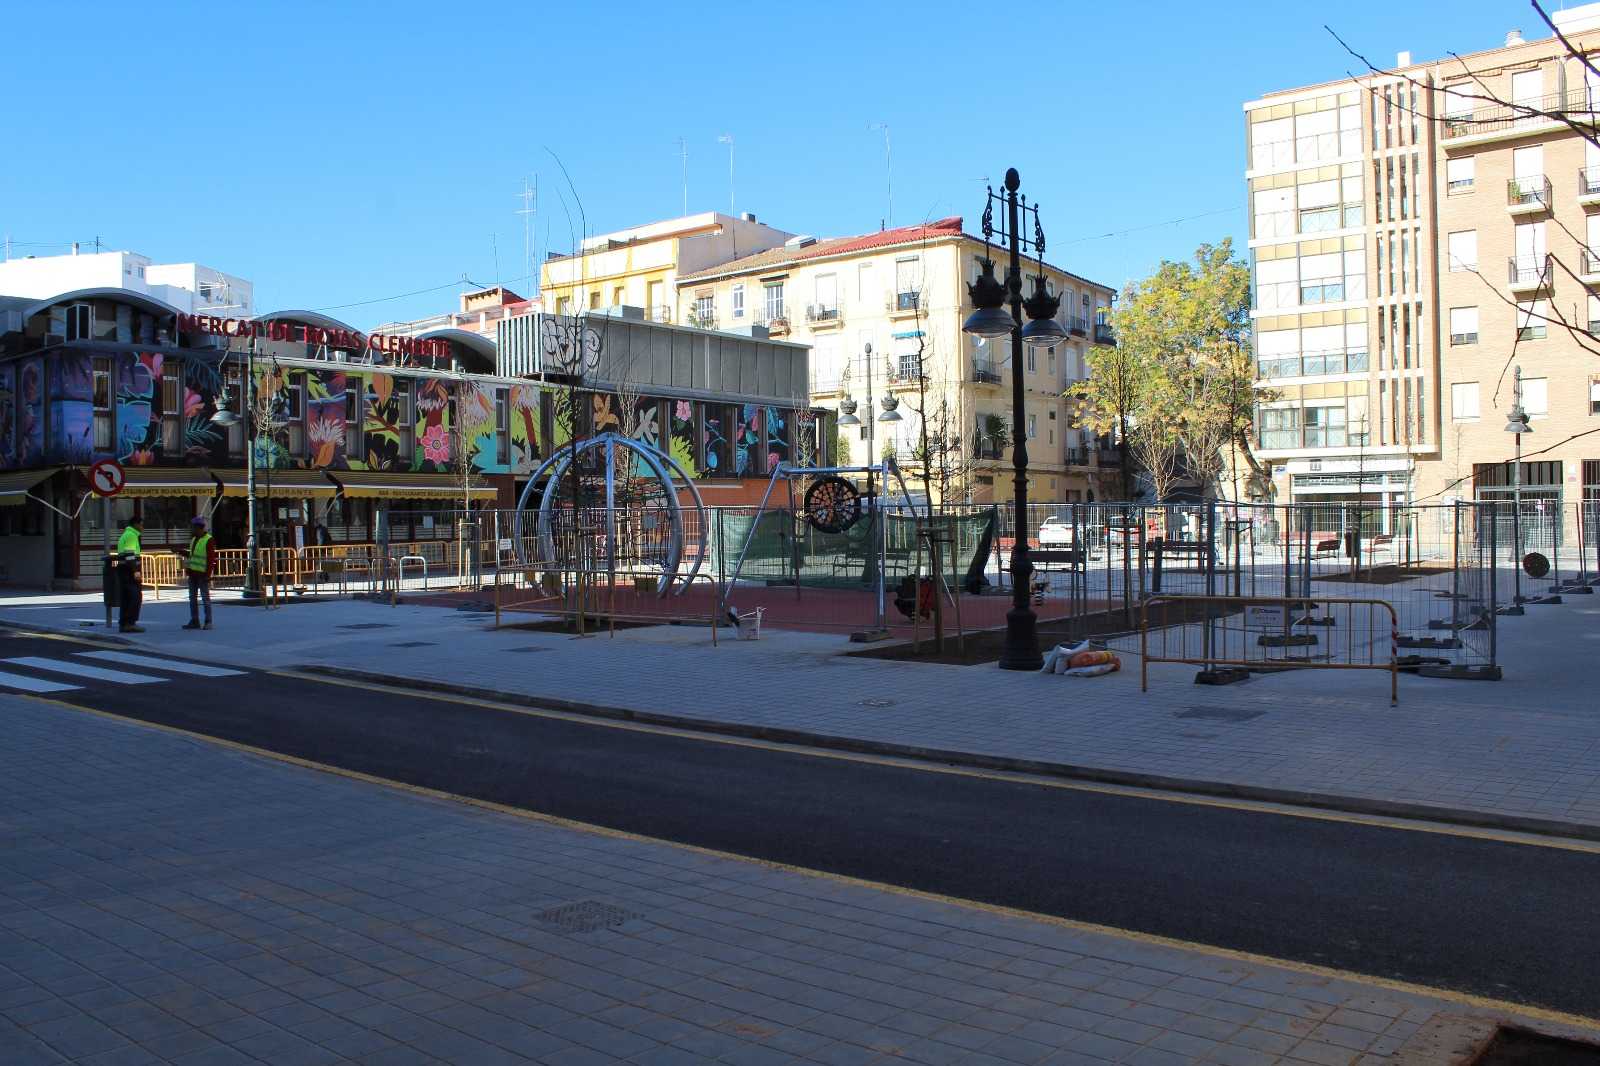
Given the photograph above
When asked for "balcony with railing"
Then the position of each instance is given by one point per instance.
(1528, 195)
(1528, 271)
(986, 448)
(1589, 185)
(1077, 325)
(1312, 364)
(826, 384)
(776, 321)
(820, 316)
(903, 303)
(1589, 266)
(1517, 119)
(702, 317)
(1076, 455)
(658, 313)
(1103, 333)
(984, 372)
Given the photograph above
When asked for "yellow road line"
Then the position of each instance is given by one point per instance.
(1413, 825)
(1465, 999)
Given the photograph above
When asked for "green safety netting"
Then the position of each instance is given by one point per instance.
(783, 548)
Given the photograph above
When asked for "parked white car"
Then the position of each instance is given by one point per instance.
(1055, 532)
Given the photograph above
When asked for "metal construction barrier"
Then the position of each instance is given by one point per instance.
(160, 570)
(1228, 636)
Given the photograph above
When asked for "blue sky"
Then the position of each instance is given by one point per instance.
(339, 155)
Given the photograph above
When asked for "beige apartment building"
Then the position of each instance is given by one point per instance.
(903, 292)
(1413, 237)
(639, 267)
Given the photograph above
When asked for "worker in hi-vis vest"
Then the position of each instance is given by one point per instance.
(131, 597)
(200, 564)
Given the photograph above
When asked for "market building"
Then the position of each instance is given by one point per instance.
(356, 433)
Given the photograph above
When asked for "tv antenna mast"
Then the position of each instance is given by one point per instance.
(530, 207)
(683, 151)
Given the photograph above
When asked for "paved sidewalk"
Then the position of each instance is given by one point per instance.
(1526, 748)
(164, 899)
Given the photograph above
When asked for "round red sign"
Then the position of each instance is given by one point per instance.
(106, 477)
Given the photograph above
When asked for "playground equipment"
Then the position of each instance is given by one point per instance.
(645, 514)
(831, 505)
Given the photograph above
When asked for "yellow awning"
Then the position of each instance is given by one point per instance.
(147, 481)
(375, 484)
(15, 485)
(285, 484)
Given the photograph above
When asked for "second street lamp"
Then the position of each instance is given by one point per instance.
(991, 320)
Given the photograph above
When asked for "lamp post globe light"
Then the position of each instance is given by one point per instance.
(992, 320)
(1516, 425)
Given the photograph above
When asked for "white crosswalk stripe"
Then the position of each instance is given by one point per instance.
(33, 684)
(77, 669)
(150, 662)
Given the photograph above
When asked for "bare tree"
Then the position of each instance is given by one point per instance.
(1157, 450)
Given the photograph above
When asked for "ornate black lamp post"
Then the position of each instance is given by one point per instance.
(992, 320)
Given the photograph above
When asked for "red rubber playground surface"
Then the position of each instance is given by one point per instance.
(814, 610)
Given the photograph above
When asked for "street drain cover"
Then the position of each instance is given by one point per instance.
(366, 625)
(1518, 1047)
(877, 703)
(585, 916)
(1220, 714)
(414, 644)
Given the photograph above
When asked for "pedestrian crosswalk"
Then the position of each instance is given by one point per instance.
(67, 672)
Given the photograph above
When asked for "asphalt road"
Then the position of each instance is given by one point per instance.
(1506, 920)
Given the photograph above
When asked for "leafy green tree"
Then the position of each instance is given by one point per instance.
(1182, 365)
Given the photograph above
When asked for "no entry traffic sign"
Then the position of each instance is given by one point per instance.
(106, 477)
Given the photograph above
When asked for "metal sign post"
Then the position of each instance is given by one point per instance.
(106, 479)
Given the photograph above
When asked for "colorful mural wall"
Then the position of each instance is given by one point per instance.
(325, 423)
(8, 416)
(69, 386)
(30, 412)
(432, 426)
(307, 428)
(381, 429)
(683, 443)
(138, 424)
(204, 442)
(777, 426)
(525, 451)
(747, 443)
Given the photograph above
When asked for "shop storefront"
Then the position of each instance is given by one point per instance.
(347, 431)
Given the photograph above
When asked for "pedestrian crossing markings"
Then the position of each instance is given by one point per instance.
(75, 667)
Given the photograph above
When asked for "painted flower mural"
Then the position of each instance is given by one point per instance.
(436, 444)
(432, 424)
(326, 434)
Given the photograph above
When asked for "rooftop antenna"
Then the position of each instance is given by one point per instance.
(888, 170)
(530, 207)
(494, 242)
(727, 139)
(683, 150)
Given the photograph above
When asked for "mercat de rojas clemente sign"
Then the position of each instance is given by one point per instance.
(379, 347)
